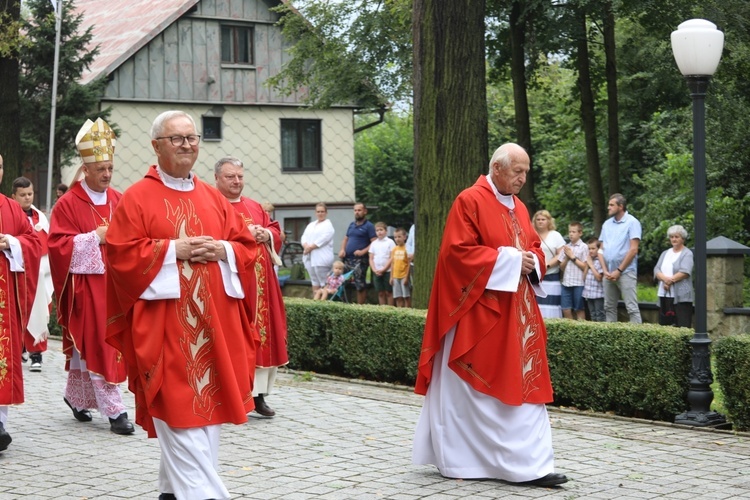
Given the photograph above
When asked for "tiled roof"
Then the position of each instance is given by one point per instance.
(122, 27)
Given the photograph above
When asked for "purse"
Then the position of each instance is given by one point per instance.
(667, 315)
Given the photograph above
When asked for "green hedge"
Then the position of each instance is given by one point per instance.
(369, 342)
(632, 370)
(732, 356)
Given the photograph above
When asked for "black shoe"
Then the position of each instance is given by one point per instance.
(36, 362)
(5, 438)
(551, 479)
(261, 408)
(121, 425)
(80, 415)
(167, 496)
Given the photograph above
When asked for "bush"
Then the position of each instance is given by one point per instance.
(732, 356)
(632, 370)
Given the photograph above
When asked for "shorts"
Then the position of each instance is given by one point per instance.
(572, 298)
(400, 289)
(382, 283)
(359, 265)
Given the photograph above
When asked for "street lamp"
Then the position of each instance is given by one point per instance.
(697, 47)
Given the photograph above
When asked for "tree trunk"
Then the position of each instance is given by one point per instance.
(450, 120)
(588, 119)
(520, 100)
(613, 125)
(10, 108)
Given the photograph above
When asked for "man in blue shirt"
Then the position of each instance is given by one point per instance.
(355, 249)
(620, 237)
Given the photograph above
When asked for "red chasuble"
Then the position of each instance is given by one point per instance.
(500, 341)
(81, 305)
(17, 291)
(265, 296)
(191, 361)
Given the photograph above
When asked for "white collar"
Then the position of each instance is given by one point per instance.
(96, 197)
(505, 199)
(176, 183)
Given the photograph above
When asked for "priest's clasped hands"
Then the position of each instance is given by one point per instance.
(201, 249)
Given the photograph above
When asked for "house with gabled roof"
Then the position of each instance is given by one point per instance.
(212, 58)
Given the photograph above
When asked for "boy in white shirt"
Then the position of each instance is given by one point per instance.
(380, 263)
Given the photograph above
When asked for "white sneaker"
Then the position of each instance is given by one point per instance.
(25, 356)
(36, 362)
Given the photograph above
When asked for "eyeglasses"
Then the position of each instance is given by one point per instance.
(179, 140)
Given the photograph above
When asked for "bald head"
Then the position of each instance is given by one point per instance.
(508, 168)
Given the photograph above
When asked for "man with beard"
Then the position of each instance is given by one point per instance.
(355, 249)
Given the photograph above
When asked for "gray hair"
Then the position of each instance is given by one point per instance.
(504, 155)
(157, 128)
(677, 230)
(227, 159)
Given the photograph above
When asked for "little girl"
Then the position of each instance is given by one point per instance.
(333, 282)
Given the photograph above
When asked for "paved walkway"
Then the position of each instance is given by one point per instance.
(335, 439)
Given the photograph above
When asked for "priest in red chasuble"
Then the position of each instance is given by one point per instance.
(483, 364)
(35, 337)
(179, 259)
(264, 297)
(19, 268)
(77, 260)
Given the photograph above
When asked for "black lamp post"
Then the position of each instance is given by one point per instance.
(697, 47)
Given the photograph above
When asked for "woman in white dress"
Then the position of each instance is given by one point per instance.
(552, 245)
(317, 242)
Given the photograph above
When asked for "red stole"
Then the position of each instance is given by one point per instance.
(191, 361)
(17, 291)
(81, 310)
(28, 339)
(265, 297)
(500, 341)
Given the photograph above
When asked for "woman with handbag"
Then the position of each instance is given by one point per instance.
(674, 274)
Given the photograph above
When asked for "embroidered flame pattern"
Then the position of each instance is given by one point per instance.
(197, 335)
(526, 315)
(5, 347)
(261, 301)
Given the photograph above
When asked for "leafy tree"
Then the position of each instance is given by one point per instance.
(10, 139)
(384, 170)
(450, 119)
(351, 51)
(75, 102)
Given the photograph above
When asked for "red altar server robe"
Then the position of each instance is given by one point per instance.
(500, 341)
(17, 290)
(81, 304)
(191, 361)
(43, 288)
(265, 295)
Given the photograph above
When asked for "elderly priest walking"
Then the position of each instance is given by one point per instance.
(483, 365)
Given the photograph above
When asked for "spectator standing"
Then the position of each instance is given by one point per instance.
(593, 290)
(483, 364)
(380, 263)
(60, 190)
(19, 264)
(410, 247)
(179, 258)
(674, 271)
(78, 263)
(35, 337)
(355, 248)
(620, 237)
(572, 266)
(400, 270)
(552, 246)
(264, 297)
(317, 244)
